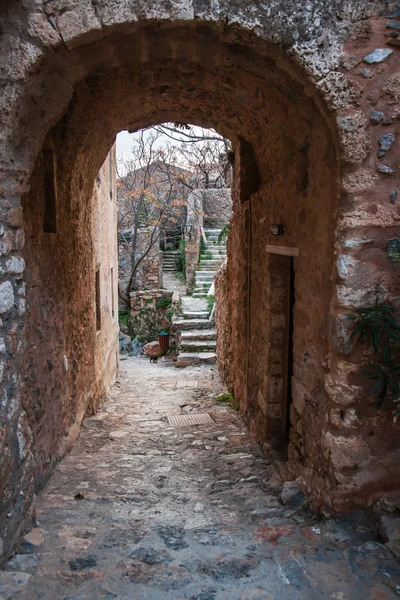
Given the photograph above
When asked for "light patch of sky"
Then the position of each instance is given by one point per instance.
(126, 140)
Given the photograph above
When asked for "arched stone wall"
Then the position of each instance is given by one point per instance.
(285, 85)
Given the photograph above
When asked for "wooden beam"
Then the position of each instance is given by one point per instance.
(283, 250)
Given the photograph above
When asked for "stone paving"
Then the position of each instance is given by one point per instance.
(140, 510)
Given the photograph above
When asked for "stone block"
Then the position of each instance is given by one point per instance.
(342, 393)
(15, 217)
(344, 418)
(340, 334)
(346, 452)
(377, 56)
(15, 265)
(292, 495)
(6, 296)
(298, 395)
(391, 91)
(358, 296)
(354, 137)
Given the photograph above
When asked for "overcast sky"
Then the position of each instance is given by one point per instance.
(125, 141)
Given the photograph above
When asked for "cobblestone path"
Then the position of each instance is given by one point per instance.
(141, 510)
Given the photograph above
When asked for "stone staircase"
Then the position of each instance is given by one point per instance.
(198, 338)
(170, 261)
(209, 263)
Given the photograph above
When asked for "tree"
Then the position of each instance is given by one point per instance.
(151, 197)
(156, 181)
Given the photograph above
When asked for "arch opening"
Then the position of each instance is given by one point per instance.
(285, 173)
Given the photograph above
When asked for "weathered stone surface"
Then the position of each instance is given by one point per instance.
(214, 525)
(385, 169)
(344, 418)
(390, 531)
(360, 181)
(6, 296)
(15, 265)
(386, 142)
(347, 452)
(341, 393)
(12, 584)
(354, 137)
(376, 116)
(292, 495)
(392, 89)
(377, 55)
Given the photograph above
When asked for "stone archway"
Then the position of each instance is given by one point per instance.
(120, 69)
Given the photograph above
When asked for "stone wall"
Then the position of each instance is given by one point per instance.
(149, 272)
(217, 206)
(223, 320)
(294, 92)
(71, 348)
(193, 234)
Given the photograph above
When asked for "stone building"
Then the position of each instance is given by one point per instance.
(308, 95)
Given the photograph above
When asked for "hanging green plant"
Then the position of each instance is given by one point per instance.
(377, 323)
(393, 249)
(387, 377)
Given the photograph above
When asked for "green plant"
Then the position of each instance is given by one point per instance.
(378, 325)
(223, 236)
(203, 246)
(378, 322)
(210, 303)
(125, 323)
(387, 378)
(393, 249)
(227, 398)
(124, 318)
(163, 302)
(208, 255)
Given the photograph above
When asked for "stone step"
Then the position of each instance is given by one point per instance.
(199, 346)
(204, 262)
(199, 334)
(202, 289)
(185, 359)
(196, 314)
(192, 324)
(199, 294)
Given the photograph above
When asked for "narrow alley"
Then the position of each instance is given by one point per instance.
(145, 508)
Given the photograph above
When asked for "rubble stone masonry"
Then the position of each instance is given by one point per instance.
(308, 96)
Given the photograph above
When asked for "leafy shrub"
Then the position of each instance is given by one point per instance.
(163, 302)
(377, 323)
(379, 326)
(227, 398)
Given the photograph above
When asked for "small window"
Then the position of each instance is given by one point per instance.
(50, 191)
(112, 292)
(98, 304)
